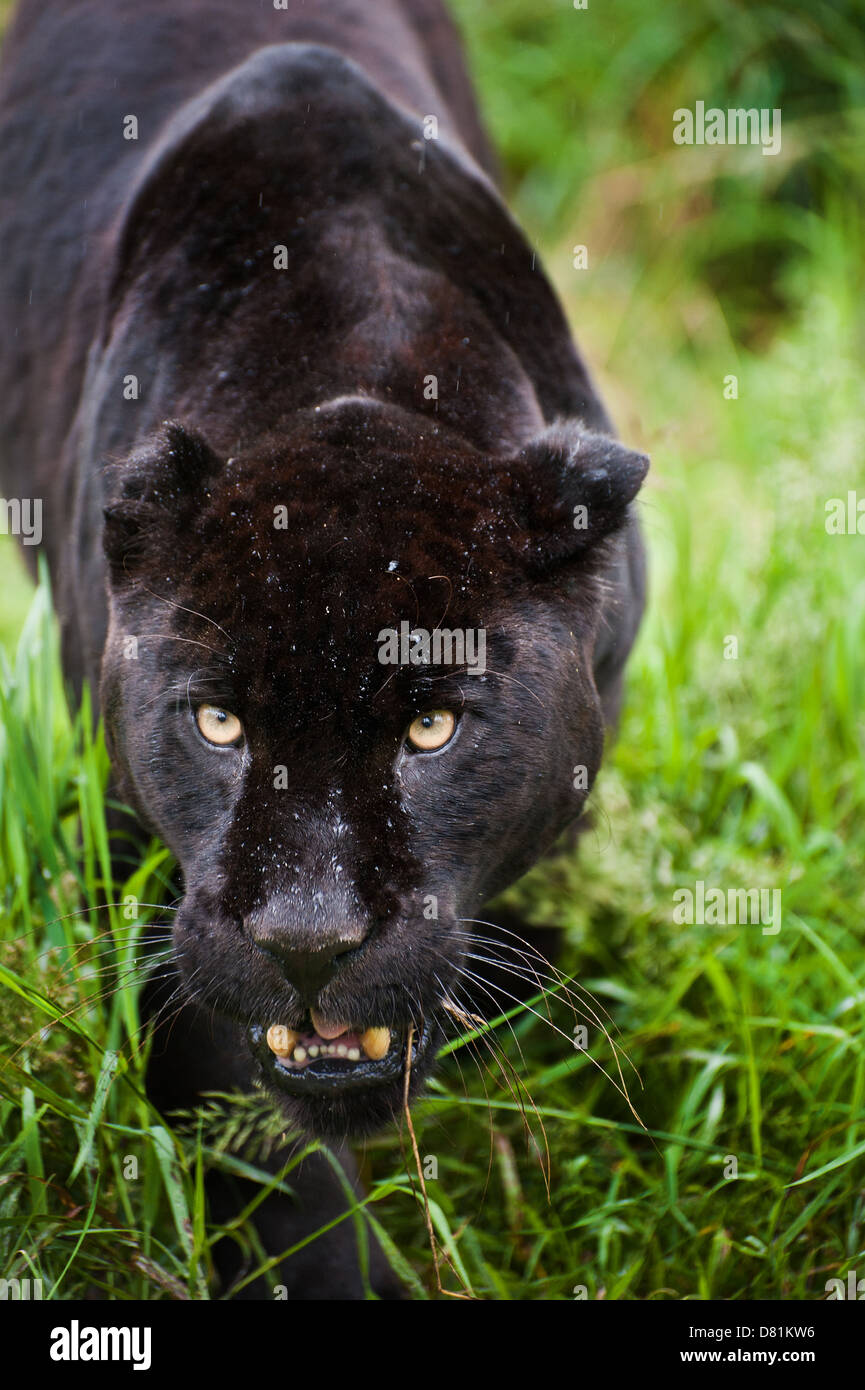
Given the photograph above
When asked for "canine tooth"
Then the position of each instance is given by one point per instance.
(375, 1043)
(327, 1030)
(354, 1054)
(300, 1054)
(281, 1040)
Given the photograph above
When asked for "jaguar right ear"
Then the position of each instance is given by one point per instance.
(578, 486)
(151, 497)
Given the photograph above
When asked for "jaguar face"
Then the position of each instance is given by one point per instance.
(347, 680)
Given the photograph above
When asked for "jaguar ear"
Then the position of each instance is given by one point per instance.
(580, 486)
(152, 495)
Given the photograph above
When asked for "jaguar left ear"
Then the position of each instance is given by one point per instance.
(151, 495)
(580, 486)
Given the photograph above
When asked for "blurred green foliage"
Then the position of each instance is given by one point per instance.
(581, 103)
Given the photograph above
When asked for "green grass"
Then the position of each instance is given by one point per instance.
(744, 772)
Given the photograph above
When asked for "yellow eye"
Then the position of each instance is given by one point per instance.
(217, 725)
(431, 730)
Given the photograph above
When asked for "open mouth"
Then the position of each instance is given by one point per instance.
(318, 1058)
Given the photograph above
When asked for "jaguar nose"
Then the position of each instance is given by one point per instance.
(308, 956)
(309, 971)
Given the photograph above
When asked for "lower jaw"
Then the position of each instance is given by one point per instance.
(337, 1080)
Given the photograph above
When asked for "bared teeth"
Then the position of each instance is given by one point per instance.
(327, 1030)
(375, 1043)
(286, 1043)
(280, 1040)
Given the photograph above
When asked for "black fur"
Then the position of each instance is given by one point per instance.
(498, 502)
